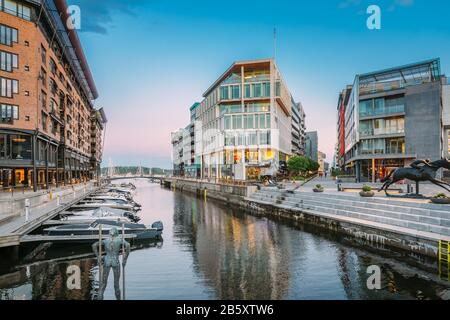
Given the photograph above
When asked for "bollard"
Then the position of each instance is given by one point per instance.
(27, 210)
(50, 195)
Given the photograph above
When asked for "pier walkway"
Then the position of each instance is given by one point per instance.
(43, 206)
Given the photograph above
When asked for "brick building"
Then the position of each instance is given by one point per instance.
(50, 132)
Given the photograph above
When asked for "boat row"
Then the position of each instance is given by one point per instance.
(111, 207)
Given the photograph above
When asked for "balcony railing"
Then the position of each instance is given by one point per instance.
(382, 112)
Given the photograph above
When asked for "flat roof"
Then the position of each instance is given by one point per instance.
(414, 71)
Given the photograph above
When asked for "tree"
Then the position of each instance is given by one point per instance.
(298, 165)
(313, 166)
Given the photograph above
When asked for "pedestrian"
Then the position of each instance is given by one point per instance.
(326, 173)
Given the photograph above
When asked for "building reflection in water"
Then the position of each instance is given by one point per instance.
(240, 256)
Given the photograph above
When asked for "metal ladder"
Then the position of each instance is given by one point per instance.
(444, 259)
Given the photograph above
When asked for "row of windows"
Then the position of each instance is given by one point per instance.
(250, 121)
(248, 107)
(254, 90)
(8, 61)
(15, 8)
(8, 87)
(8, 35)
(9, 113)
(248, 139)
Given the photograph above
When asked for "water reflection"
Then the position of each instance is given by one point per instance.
(212, 251)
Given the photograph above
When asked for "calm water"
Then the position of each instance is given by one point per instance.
(211, 251)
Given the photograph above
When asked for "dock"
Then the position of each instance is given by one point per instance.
(15, 229)
(46, 238)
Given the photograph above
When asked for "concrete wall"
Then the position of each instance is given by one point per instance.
(423, 120)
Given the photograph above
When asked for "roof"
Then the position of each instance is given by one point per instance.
(236, 65)
(415, 71)
(195, 105)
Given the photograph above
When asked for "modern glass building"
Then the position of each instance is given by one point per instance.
(243, 126)
(391, 117)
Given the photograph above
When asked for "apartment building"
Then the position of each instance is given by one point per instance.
(391, 118)
(50, 133)
(243, 127)
(298, 129)
(312, 145)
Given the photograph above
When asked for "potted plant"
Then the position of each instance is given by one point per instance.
(318, 188)
(440, 198)
(367, 192)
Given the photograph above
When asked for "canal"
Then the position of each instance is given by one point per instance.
(212, 251)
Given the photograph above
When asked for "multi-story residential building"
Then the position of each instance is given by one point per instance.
(344, 96)
(321, 157)
(47, 136)
(312, 145)
(177, 152)
(393, 117)
(243, 127)
(298, 129)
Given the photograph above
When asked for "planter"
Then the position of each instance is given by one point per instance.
(440, 200)
(318, 190)
(368, 194)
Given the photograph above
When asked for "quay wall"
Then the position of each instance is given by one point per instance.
(238, 196)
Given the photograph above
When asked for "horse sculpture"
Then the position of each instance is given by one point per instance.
(420, 171)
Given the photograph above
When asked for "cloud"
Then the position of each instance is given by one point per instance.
(97, 16)
(390, 4)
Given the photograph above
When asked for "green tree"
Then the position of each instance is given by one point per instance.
(313, 165)
(298, 165)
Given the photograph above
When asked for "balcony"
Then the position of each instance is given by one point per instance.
(387, 111)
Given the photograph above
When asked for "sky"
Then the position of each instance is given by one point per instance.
(152, 59)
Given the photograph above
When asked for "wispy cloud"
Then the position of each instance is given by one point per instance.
(391, 5)
(97, 16)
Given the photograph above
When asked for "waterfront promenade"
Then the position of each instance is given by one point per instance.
(43, 206)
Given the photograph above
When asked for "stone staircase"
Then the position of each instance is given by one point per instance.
(418, 216)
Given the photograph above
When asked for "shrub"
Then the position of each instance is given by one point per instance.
(440, 196)
(319, 186)
(366, 188)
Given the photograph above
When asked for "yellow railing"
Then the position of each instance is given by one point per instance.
(444, 259)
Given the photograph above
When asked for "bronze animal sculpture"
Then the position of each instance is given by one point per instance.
(419, 171)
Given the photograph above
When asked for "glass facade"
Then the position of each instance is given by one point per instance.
(381, 106)
(383, 146)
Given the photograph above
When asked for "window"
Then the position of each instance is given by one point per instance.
(266, 89)
(54, 127)
(235, 92)
(247, 92)
(3, 146)
(44, 121)
(248, 121)
(53, 86)
(52, 66)
(8, 87)
(43, 76)
(53, 106)
(224, 93)
(43, 55)
(227, 123)
(43, 100)
(8, 35)
(256, 90)
(17, 9)
(8, 61)
(264, 137)
(9, 113)
(21, 147)
(237, 122)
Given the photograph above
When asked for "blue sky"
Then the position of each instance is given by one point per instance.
(152, 59)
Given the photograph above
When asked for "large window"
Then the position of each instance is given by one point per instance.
(17, 9)
(256, 88)
(9, 113)
(21, 147)
(8, 61)
(8, 87)
(224, 93)
(235, 92)
(8, 35)
(3, 146)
